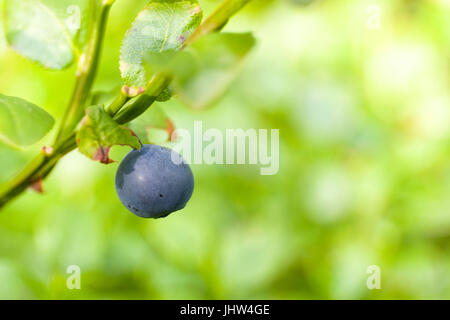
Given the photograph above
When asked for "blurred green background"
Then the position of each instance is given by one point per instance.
(364, 179)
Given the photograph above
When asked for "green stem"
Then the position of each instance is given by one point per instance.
(119, 102)
(86, 72)
(36, 170)
(43, 163)
(217, 20)
(138, 105)
(16, 185)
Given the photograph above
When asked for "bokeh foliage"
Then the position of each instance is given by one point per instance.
(364, 118)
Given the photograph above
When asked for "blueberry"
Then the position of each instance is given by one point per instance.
(151, 185)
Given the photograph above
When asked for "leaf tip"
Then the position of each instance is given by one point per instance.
(102, 155)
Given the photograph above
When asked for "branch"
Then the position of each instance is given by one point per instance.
(86, 72)
(217, 20)
(43, 163)
(122, 109)
(138, 105)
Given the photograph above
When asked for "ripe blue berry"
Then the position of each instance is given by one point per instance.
(151, 185)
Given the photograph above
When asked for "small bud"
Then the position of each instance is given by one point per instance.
(126, 90)
(47, 150)
(135, 91)
(37, 186)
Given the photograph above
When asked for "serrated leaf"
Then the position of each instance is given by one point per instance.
(21, 122)
(99, 132)
(161, 26)
(217, 58)
(154, 126)
(47, 31)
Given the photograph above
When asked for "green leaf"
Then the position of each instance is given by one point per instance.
(161, 26)
(99, 132)
(153, 126)
(47, 31)
(21, 122)
(217, 58)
